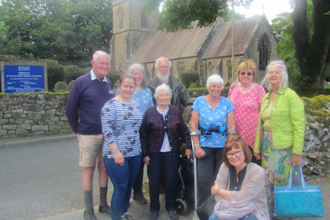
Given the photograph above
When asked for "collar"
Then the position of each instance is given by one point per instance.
(94, 77)
(279, 92)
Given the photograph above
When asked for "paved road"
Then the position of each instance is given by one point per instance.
(43, 181)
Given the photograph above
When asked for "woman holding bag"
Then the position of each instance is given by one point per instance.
(280, 132)
(239, 187)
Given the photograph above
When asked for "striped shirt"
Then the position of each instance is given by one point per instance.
(121, 123)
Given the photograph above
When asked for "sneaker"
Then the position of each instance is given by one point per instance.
(153, 215)
(105, 209)
(89, 215)
(126, 216)
(173, 215)
(140, 198)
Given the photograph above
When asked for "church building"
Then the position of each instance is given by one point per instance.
(207, 50)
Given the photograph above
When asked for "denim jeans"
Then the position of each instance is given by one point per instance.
(122, 178)
(250, 216)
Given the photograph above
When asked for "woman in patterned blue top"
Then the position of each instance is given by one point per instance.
(121, 119)
(213, 115)
(142, 95)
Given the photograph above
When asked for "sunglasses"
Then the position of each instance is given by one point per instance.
(248, 73)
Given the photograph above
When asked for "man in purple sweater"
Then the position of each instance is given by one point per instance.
(87, 96)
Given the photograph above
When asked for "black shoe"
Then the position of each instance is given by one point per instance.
(140, 198)
(173, 215)
(105, 209)
(89, 215)
(153, 215)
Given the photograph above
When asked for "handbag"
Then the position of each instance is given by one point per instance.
(298, 201)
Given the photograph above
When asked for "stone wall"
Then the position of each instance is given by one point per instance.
(44, 113)
(36, 113)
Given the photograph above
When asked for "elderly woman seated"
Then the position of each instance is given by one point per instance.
(161, 128)
(239, 187)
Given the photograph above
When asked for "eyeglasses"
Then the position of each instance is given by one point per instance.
(236, 154)
(248, 73)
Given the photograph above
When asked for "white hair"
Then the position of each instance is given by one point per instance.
(162, 58)
(99, 53)
(285, 77)
(162, 87)
(215, 78)
(140, 67)
(136, 66)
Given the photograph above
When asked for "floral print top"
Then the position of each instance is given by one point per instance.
(216, 117)
(247, 110)
(121, 124)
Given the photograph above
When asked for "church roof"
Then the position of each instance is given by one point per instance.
(221, 44)
(180, 44)
(187, 43)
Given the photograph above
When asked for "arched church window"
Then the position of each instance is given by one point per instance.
(121, 18)
(229, 71)
(264, 51)
(143, 20)
(220, 69)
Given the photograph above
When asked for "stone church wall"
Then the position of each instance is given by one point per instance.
(253, 52)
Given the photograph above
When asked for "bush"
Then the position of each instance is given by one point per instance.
(311, 92)
(55, 73)
(196, 92)
(61, 87)
(189, 77)
(7, 58)
(72, 72)
(87, 69)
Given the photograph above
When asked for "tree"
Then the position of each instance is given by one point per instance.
(178, 14)
(68, 31)
(312, 45)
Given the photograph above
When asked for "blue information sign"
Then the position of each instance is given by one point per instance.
(23, 79)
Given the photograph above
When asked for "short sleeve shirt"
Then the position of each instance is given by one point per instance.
(247, 110)
(143, 97)
(216, 117)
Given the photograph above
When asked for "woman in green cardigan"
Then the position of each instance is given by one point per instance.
(280, 132)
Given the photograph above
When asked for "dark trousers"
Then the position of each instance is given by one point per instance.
(254, 159)
(207, 171)
(168, 164)
(137, 185)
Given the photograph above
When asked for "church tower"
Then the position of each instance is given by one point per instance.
(130, 24)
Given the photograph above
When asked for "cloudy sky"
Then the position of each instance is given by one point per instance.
(272, 8)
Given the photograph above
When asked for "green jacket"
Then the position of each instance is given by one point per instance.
(287, 121)
(180, 94)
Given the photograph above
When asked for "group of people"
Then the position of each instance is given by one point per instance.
(143, 124)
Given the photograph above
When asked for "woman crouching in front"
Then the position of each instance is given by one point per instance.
(239, 187)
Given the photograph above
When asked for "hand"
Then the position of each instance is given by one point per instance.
(119, 158)
(189, 153)
(257, 155)
(146, 160)
(215, 189)
(296, 160)
(199, 152)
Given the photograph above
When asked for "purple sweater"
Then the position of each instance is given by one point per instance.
(85, 102)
